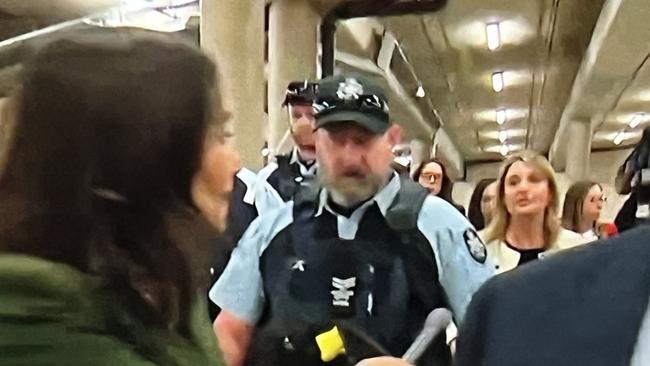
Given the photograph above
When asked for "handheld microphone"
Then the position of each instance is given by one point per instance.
(436, 323)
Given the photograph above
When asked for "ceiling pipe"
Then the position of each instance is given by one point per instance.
(366, 8)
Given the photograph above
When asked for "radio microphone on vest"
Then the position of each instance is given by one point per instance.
(436, 323)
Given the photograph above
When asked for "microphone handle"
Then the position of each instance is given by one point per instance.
(435, 324)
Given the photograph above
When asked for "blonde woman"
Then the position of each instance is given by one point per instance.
(525, 223)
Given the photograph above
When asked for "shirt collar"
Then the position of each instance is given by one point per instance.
(384, 198)
(248, 178)
(304, 171)
(294, 156)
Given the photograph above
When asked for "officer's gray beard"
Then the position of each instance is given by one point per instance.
(351, 191)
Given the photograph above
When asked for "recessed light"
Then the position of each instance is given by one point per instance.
(420, 93)
(503, 136)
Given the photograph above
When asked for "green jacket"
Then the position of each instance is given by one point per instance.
(53, 314)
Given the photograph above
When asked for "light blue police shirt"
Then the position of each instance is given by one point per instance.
(240, 288)
(266, 197)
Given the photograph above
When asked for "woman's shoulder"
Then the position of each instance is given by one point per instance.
(568, 239)
(62, 315)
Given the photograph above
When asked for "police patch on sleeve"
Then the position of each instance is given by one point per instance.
(475, 245)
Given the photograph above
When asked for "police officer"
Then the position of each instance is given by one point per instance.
(369, 248)
(291, 171)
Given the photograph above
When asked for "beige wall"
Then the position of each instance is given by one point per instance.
(603, 170)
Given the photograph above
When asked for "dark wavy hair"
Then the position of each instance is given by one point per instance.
(107, 132)
(474, 213)
(447, 185)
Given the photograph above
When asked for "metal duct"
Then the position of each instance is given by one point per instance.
(367, 8)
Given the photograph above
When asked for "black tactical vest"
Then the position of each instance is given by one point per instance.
(383, 283)
(286, 178)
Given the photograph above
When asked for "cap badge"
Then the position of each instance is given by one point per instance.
(349, 89)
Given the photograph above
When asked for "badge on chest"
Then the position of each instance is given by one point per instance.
(343, 290)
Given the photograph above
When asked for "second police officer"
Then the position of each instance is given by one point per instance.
(279, 181)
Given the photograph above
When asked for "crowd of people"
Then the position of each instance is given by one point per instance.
(123, 205)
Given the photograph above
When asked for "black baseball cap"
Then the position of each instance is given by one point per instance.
(300, 92)
(351, 99)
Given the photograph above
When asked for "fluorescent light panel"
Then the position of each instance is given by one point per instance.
(635, 120)
(618, 139)
(504, 150)
(503, 136)
(497, 81)
(493, 34)
(500, 116)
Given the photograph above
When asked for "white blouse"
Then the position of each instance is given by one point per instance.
(505, 258)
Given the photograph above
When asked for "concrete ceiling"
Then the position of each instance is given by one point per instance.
(540, 53)
(543, 47)
(613, 84)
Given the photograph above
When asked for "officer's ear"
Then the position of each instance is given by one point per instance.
(394, 134)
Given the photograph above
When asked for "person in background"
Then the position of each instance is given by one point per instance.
(626, 217)
(279, 181)
(432, 175)
(583, 204)
(481, 204)
(632, 178)
(102, 248)
(525, 223)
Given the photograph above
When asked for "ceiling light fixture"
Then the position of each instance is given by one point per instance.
(636, 119)
(503, 136)
(497, 81)
(618, 138)
(500, 116)
(420, 93)
(493, 36)
(504, 150)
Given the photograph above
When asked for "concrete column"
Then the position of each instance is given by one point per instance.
(232, 33)
(445, 150)
(420, 151)
(578, 150)
(293, 53)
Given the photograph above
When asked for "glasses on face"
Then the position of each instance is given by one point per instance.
(363, 103)
(601, 199)
(431, 178)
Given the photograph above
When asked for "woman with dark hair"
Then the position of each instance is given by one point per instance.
(103, 254)
(583, 204)
(432, 175)
(481, 205)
